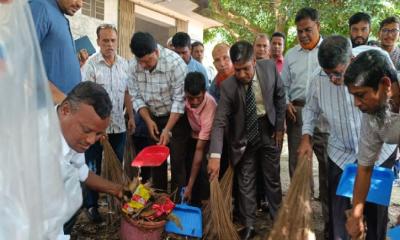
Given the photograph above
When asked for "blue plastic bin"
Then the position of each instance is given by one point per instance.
(380, 189)
(394, 233)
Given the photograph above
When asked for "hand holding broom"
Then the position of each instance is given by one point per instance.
(355, 226)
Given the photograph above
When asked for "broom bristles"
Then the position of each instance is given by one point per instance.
(219, 210)
(294, 217)
(112, 170)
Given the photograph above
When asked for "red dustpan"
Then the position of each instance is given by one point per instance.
(151, 156)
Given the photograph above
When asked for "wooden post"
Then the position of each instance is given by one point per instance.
(126, 27)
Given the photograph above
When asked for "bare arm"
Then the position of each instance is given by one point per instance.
(165, 134)
(100, 184)
(129, 110)
(196, 165)
(56, 94)
(355, 225)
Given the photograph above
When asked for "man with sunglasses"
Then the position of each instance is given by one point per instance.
(328, 96)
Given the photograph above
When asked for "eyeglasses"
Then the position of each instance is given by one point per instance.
(335, 76)
(391, 31)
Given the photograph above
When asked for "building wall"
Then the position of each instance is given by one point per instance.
(161, 26)
(82, 25)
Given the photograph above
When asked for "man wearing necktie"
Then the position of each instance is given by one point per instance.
(252, 106)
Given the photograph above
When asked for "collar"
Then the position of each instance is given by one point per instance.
(99, 58)
(279, 59)
(201, 106)
(162, 62)
(316, 47)
(64, 145)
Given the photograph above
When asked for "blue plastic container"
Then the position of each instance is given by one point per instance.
(394, 233)
(380, 189)
(190, 218)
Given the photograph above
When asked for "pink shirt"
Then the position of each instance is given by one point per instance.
(279, 64)
(202, 117)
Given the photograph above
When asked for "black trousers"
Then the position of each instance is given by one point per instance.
(375, 215)
(201, 187)
(265, 153)
(180, 136)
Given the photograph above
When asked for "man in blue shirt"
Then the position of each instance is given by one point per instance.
(182, 46)
(56, 43)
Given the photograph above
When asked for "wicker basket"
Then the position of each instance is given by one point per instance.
(139, 229)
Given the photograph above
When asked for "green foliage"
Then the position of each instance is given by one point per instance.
(334, 15)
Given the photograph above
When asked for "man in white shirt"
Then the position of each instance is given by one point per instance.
(111, 71)
(300, 63)
(84, 116)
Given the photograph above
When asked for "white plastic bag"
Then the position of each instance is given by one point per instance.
(32, 196)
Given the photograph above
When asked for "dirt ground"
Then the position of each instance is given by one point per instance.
(109, 229)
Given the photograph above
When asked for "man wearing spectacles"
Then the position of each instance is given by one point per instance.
(327, 95)
(389, 35)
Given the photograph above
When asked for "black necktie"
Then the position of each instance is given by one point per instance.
(251, 115)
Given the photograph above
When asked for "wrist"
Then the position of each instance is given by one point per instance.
(166, 130)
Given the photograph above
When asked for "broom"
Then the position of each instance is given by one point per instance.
(218, 210)
(112, 170)
(129, 154)
(294, 217)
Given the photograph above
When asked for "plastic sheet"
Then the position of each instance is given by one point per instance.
(32, 195)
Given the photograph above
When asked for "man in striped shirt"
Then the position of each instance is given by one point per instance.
(327, 95)
(110, 70)
(157, 76)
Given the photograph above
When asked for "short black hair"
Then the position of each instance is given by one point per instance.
(181, 39)
(334, 50)
(195, 83)
(388, 20)
(197, 43)
(278, 34)
(92, 94)
(105, 26)
(241, 52)
(142, 43)
(305, 13)
(360, 17)
(368, 68)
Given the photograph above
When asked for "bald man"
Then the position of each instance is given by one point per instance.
(224, 66)
(261, 46)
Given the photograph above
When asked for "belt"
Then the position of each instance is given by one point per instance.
(298, 103)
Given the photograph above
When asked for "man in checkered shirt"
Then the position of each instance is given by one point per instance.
(156, 76)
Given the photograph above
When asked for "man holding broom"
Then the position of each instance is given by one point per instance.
(373, 81)
(252, 105)
(84, 116)
(327, 95)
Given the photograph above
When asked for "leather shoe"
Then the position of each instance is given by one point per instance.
(94, 215)
(247, 233)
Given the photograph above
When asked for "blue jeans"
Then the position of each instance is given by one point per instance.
(93, 157)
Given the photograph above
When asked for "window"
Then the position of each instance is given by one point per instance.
(93, 8)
